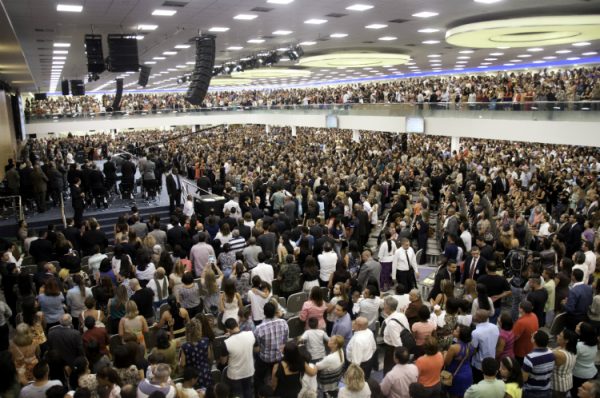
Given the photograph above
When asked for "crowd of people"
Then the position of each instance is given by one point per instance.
(205, 305)
(562, 87)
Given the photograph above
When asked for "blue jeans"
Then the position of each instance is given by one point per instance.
(516, 300)
(243, 387)
(537, 394)
(497, 308)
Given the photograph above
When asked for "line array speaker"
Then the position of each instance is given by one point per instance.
(64, 85)
(77, 87)
(40, 96)
(205, 61)
(144, 75)
(117, 101)
(93, 51)
(122, 53)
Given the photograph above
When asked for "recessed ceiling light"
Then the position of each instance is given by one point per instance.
(376, 26)
(158, 58)
(172, 70)
(582, 44)
(282, 32)
(463, 57)
(482, 66)
(338, 35)
(256, 41)
(182, 46)
(139, 37)
(425, 14)
(590, 53)
(279, 1)
(235, 48)
(563, 51)
(388, 38)
(147, 27)
(315, 21)
(509, 64)
(169, 52)
(486, 63)
(462, 62)
(491, 59)
(573, 59)
(359, 7)
(246, 17)
(413, 67)
(150, 63)
(308, 43)
(550, 57)
(524, 56)
(218, 29)
(69, 8)
(190, 63)
(535, 49)
(515, 60)
(164, 13)
(60, 52)
(428, 30)
(430, 41)
(466, 52)
(487, 1)
(58, 62)
(434, 56)
(181, 66)
(539, 61)
(496, 54)
(65, 45)
(282, 49)
(58, 57)
(435, 65)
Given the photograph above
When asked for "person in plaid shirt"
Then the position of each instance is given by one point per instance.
(271, 335)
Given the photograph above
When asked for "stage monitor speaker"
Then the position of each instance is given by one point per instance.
(40, 96)
(94, 53)
(206, 205)
(77, 87)
(144, 75)
(117, 101)
(122, 53)
(65, 87)
(205, 61)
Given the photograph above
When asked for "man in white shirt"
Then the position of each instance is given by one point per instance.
(188, 206)
(238, 352)
(38, 387)
(466, 237)
(327, 262)
(404, 265)
(590, 257)
(362, 346)
(263, 270)
(394, 323)
(233, 203)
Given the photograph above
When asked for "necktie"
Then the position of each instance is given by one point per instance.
(407, 258)
(473, 267)
(177, 182)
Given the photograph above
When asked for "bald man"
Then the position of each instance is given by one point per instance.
(362, 348)
(369, 270)
(484, 341)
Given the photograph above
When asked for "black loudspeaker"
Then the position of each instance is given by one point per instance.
(65, 87)
(117, 102)
(404, 142)
(205, 61)
(77, 87)
(93, 51)
(122, 53)
(144, 75)
(40, 96)
(205, 203)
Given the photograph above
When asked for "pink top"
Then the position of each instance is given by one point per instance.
(509, 343)
(310, 310)
(421, 330)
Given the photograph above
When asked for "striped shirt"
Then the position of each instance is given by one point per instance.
(237, 244)
(539, 363)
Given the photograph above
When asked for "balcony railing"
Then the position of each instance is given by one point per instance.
(539, 110)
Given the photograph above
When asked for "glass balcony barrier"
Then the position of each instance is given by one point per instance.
(559, 111)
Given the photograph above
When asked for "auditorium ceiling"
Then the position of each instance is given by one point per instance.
(342, 40)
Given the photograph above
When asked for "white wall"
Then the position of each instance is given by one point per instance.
(585, 133)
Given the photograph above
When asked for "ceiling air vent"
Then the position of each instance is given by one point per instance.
(398, 20)
(41, 30)
(368, 42)
(410, 45)
(173, 3)
(268, 37)
(335, 15)
(262, 9)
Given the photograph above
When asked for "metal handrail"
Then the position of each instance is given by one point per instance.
(18, 207)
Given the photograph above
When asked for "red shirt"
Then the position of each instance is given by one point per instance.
(523, 329)
(98, 334)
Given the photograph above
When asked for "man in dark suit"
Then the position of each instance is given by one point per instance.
(245, 231)
(42, 249)
(500, 186)
(110, 173)
(73, 234)
(474, 265)
(177, 235)
(574, 235)
(66, 340)
(128, 178)
(448, 272)
(97, 186)
(579, 300)
(78, 201)
(173, 189)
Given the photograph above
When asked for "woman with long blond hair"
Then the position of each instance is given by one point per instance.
(133, 322)
(197, 353)
(211, 283)
(331, 368)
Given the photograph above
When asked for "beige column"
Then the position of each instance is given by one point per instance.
(8, 141)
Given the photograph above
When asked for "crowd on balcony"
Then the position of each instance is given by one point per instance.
(562, 86)
(289, 293)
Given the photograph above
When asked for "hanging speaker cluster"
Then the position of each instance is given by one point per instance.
(117, 101)
(203, 70)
